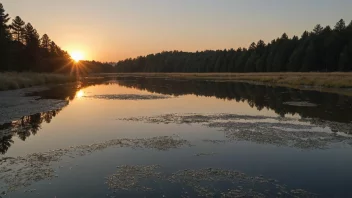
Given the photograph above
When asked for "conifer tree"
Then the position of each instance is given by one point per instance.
(318, 29)
(345, 60)
(45, 42)
(31, 36)
(309, 63)
(4, 28)
(340, 26)
(4, 39)
(17, 27)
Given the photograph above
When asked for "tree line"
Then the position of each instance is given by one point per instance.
(322, 49)
(23, 49)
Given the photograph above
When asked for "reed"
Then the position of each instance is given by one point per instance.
(14, 80)
(314, 79)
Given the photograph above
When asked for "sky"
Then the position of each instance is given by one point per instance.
(112, 30)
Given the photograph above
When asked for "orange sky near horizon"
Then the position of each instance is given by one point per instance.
(113, 30)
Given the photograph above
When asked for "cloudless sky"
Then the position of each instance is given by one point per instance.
(111, 30)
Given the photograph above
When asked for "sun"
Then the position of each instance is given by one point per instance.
(80, 94)
(77, 56)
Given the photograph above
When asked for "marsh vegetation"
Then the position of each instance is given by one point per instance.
(14, 80)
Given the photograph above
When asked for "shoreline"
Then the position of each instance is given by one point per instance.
(15, 104)
(20, 80)
(339, 82)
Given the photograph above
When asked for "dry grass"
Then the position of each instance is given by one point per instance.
(14, 80)
(327, 80)
(335, 82)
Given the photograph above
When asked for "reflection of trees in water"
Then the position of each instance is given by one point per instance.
(30, 125)
(331, 107)
(23, 128)
(5, 143)
(68, 91)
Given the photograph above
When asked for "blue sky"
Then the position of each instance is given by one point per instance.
(110, 30)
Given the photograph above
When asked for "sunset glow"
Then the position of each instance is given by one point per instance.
(79, 94)
(77, 56)
(147, 29)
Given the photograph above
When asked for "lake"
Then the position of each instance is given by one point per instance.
(160, 137)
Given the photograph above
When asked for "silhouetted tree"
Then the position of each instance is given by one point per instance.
(4, 39)
(305, 35)
(318, 29)
(31, 35)
(32, 47)
(310, 59)
(45, 42)
(327, 30)
(21, 49)
(323, 49)
(345, 60)
(340, 26)
(17, 27)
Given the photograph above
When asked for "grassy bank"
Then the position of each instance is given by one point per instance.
(327, 80)
(14, 80)
(337, 82)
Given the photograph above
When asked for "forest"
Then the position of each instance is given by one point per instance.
(323, 49)
(23, 49)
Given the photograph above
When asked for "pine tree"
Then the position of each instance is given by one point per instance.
(327, 30)
(305, 35)
(45, 42)
(284, 37)
(260, 47)
(296, 59)
(4, 18)
(345, 62)
(340, 26)
(32, 48)
(4, 39)
(31, 36)
(53, 48)
(17, 27)
(253, 46)
(242, 59)
(309, 63)
(318, 29)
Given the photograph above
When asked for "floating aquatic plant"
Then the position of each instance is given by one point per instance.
(21, 172)
(202, 182)
(262, 129)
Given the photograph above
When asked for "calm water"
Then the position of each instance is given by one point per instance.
(302, 139)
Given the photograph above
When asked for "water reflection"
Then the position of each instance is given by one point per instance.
(80, 94)
(23, 128)
(332, 107)
(69, 91)
(31, 124)
(88, 121)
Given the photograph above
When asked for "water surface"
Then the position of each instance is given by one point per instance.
(284, 142)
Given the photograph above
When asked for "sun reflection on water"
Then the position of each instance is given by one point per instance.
(79, 94)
